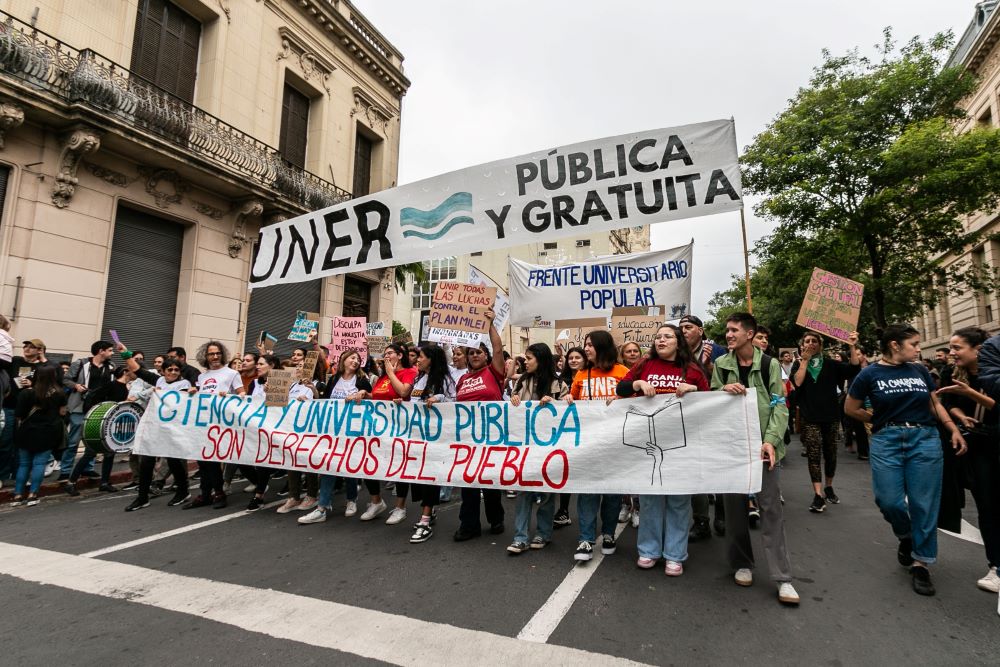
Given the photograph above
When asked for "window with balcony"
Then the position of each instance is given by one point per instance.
(437, 269)
(165, 47)
(294, 126)
(362, 165)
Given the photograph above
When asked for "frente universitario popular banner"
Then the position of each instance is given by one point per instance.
(596, 287)
(705, 442)
(600, 185)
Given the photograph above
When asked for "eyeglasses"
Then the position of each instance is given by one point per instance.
(213, 354)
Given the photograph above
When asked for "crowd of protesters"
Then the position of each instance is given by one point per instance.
(928, 432)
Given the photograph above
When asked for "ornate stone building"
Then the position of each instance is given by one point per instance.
(978, 51)
(144, 142)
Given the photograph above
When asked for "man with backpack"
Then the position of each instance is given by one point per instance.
(746, 368)
(85, 378)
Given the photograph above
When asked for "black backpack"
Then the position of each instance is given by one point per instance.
(765, 371)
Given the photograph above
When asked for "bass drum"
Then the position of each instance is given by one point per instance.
(110, 427)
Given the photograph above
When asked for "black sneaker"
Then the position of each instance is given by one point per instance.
(903, 552)
(62, 478)
(831, 497)
(70, 488)
(156, 489)
(137, 505)
(421, 533)
(279, 475)
(700, 531)
(818, 504)
(608, 544)
(561, 519)
(219, 501)
(107, 488)
(254, 504)
(753, 515)
(922, 580)
(584, 552)
(131, 486)
(720, 527)
(179, 498)
(91, 474)
(462, 534)
(517, 548)
(497, 529)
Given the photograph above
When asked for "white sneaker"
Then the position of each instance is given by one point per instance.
(635, 518)
(990, 582)
(744, 577)
(623, 514)
(787, 594)
(351, 509)
(249, 488)
(51, 468)
(374, 509)
(395, 516)
(318, 515)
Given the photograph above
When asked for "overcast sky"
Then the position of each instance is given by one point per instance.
(497, 79)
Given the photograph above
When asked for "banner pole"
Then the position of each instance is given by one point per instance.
(746, 259)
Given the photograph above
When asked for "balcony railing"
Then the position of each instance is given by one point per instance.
(85, 77)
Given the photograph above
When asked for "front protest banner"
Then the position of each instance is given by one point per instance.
(377, 345)
(705, 442)
(349, 333)
(598, 286)
(585, 188)
(639, 329)
(458, 310)
(305, 323)
(832, 305)
(278, 384)
(572, 333)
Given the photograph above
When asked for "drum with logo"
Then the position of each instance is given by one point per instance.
(110, 427)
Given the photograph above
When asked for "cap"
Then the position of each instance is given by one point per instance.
(35, 342)
(693, 320)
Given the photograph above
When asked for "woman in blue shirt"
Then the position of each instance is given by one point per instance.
(906, 456)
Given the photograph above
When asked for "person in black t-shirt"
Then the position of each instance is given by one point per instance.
(816, 379)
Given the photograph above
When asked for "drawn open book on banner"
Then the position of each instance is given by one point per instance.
(655, 432)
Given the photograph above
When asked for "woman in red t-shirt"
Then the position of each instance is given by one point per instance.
(483, 381)
(397, 382)
(668, 369)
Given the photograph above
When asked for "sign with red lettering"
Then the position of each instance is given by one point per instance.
(832, 305)
(705, 442)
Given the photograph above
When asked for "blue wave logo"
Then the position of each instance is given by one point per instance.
(438, 221)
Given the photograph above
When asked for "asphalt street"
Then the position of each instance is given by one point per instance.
(252, 587)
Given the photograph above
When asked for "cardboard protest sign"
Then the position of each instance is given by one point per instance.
(597, 286)
(705, 442)
(558, 192)
(278, 384)
(377, 345)
(376, 329)
(309, 365)
(832, 305)
(640, 329)
(458, 310)
(305, 323)
(571, 333)
(350, 333)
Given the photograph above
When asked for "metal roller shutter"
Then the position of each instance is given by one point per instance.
(141, 299)
(273, 309)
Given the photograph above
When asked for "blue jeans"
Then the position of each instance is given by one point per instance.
(663, 528)
(72, 444)
(35, 463)
(9, 456)
(326, 483)
(543, 522)
(589, 505)
(907, 464)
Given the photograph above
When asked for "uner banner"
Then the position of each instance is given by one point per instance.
(702, 443)
(595, 186)
(598, 286)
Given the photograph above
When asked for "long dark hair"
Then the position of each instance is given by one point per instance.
(545, 372)
(567, 372)
(44, 384)
(438, 375)
(683, 357)
(605, 352)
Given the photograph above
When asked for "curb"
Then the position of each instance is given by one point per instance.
(51, 488)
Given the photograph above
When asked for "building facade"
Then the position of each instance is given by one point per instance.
(144, 142)
(416, 298)
(978, 51)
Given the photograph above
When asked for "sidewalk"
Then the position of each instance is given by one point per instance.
(120, 475)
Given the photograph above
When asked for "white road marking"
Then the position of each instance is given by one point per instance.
(969, 533)
(363, 632)
(175, 531)
(550, 615)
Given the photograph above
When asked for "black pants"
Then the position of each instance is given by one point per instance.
(699, 507)
(983, 466)
(107, 465)
(256, 475)
(564, 502)
(468, 513)
(211, 478)
(178, 468)
(855, 433)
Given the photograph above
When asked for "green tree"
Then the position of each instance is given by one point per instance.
(865, 175)
(416, 269)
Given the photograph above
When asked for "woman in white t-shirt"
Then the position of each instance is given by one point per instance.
(349, 383)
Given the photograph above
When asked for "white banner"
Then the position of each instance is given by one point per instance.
(702, 443)
(595, 186)
(595, 287)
